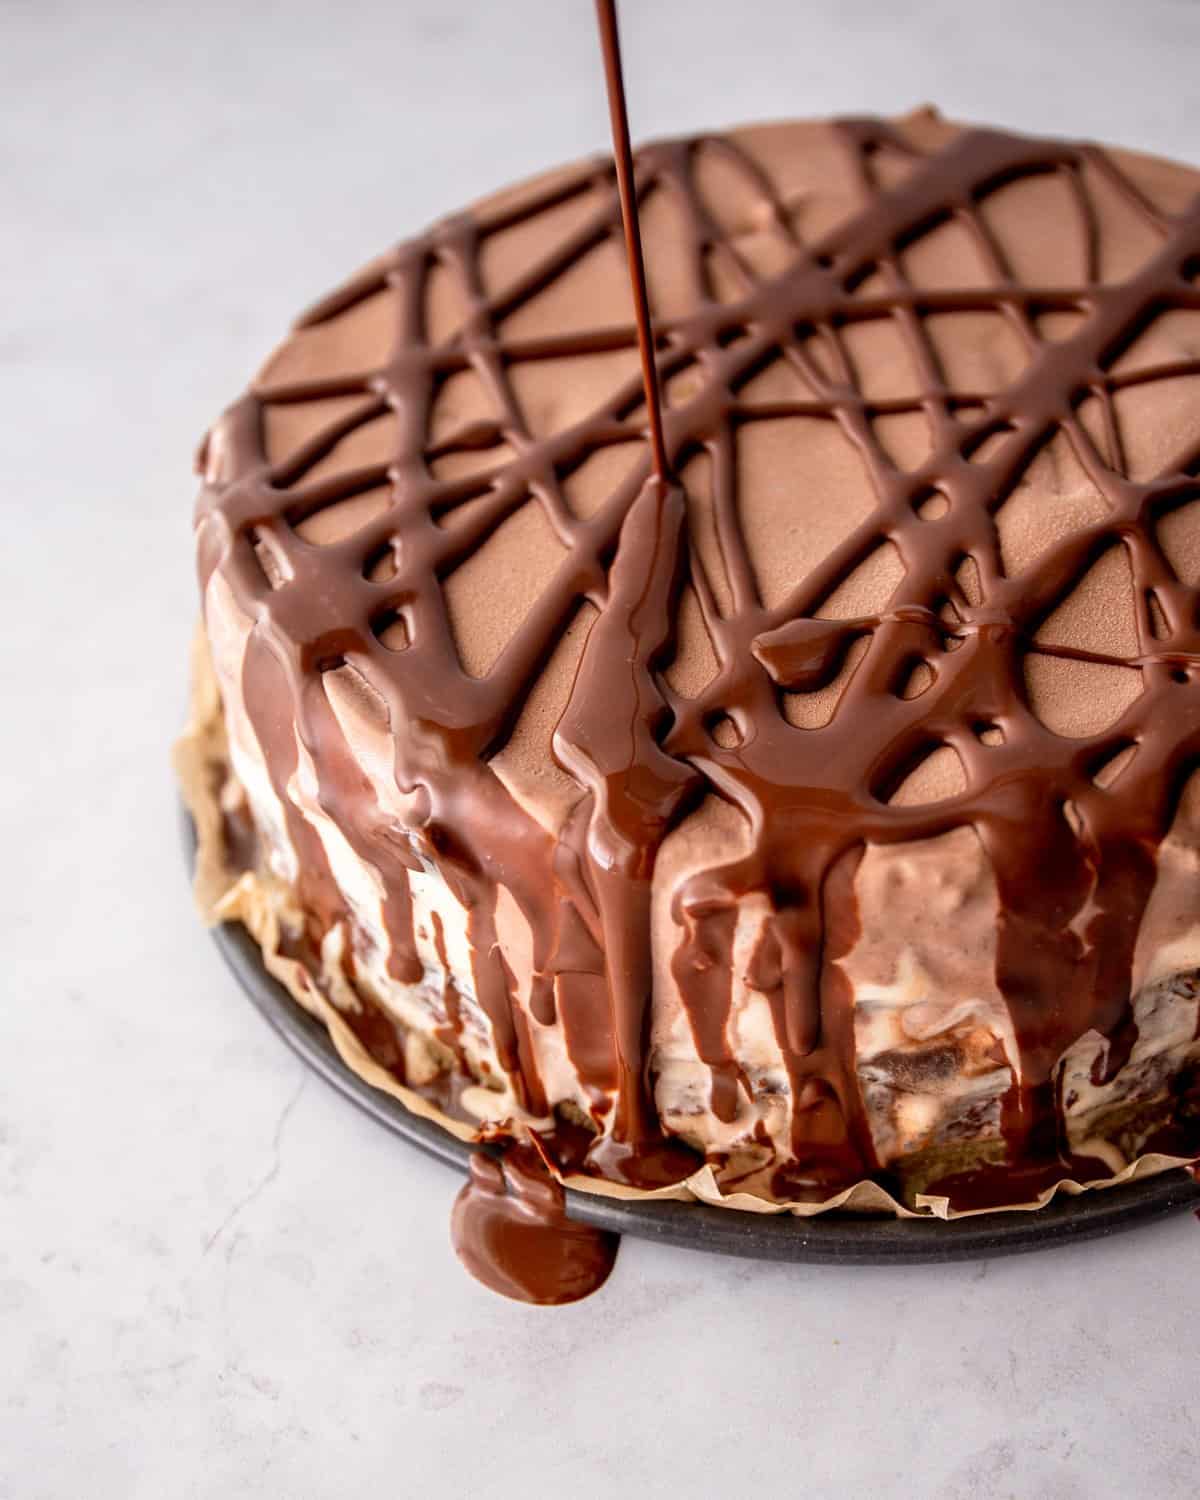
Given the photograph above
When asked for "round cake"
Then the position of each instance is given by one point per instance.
(815, 826)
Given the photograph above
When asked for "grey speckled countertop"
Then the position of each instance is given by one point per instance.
(216, 1279)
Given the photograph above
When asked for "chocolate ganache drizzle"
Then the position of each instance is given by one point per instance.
(1074, 853)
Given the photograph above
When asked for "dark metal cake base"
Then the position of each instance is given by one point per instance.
(832, 1238)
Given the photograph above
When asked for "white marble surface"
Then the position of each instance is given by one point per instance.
(215, 1278)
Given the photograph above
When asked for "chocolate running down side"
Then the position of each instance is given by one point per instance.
(827, 816)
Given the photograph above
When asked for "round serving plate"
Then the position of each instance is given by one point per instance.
(828, 1239)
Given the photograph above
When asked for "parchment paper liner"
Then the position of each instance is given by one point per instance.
(224, 895)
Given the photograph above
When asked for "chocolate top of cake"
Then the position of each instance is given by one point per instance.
(928, 562)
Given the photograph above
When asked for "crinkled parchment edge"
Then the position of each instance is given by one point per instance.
(223, 895)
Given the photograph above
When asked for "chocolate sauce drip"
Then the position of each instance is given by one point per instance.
(1074, 861)
(511, 1231)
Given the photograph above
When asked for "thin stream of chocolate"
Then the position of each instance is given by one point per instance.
(614, 76)
(1074, 860)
